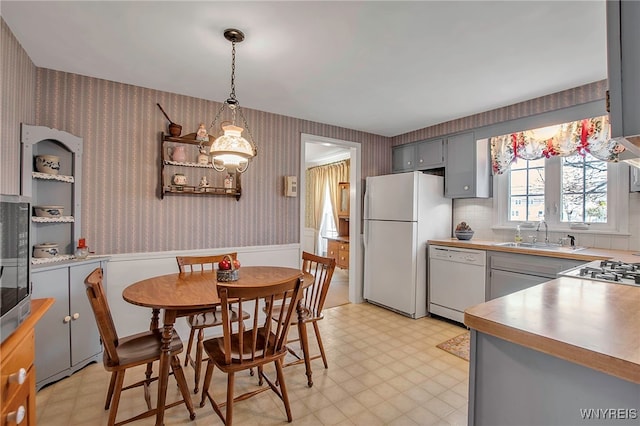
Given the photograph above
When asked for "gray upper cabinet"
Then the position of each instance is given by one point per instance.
(430, 154)
(623, 55)
(422, 155)
(467, 173)
(403, 158)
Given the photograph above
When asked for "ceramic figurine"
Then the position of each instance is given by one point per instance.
(204, 183)
(228, 183)
(203, 157)
(201, 134)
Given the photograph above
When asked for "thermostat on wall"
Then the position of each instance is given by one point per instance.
(290, 186)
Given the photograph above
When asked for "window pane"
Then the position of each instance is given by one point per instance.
(519, 182)
(535, 208)
(537, 163)
(584, 189)
(518, 208)
(536, 181)
(596, 208)
(572, 208)
(526, 191)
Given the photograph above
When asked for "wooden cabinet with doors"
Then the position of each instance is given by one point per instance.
(338, 249)
(18, 382)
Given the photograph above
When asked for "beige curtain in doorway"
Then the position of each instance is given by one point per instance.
(316, 179)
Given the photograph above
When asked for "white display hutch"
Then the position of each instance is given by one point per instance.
(67, 338)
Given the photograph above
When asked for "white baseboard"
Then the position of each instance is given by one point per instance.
(125, 269)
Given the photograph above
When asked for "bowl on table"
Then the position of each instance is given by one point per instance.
(464, 235)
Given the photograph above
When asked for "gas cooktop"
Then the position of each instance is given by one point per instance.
(607, 270)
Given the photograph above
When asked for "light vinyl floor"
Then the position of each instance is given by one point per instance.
(384, 369)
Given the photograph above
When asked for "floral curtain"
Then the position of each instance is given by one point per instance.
(590, 135)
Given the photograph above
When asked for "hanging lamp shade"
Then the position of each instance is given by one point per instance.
(231, 149)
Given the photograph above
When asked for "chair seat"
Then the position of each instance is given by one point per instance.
(215, 348)
(137, 349)
(212, 318)
(308, 315)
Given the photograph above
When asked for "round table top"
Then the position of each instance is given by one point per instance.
(197, 290)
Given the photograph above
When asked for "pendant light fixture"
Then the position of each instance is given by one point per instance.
(231, 150)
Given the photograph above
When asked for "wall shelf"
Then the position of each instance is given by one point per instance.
(170, 167)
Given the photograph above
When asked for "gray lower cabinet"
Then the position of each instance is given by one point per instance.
(513, 385)
(510, 272)
(67, 337)
(634, 179)
(468, 170)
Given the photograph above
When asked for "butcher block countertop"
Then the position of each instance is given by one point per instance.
(587, 254)
(591, 323)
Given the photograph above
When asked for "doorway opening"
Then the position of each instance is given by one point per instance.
(315, 151)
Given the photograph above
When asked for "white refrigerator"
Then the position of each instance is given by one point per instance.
(401, 213)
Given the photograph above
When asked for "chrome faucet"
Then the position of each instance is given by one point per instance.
(546, 231)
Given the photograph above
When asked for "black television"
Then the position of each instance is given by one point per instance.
(15, 262)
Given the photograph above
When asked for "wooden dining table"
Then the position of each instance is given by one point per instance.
(186, 293)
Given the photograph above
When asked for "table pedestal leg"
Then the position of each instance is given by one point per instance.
(165, 363)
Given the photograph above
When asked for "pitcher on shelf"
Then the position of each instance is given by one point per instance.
(178, 154)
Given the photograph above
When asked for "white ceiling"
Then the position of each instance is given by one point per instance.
(382, 67)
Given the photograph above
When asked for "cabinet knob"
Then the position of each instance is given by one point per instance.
(408, 163)
(76, 316)
(466, 187)
(18, 377)
(421, 160)
(17, 416)
(67, 319)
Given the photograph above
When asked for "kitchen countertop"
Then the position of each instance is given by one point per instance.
(591, 323)
(588, 254)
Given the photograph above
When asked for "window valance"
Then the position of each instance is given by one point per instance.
(590, 135)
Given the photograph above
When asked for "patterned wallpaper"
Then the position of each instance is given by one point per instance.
(121, 127)
(566, 98)
(17, 91)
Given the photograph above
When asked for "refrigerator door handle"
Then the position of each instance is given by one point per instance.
(365, 233)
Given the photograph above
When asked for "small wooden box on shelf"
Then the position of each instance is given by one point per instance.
(171, 164)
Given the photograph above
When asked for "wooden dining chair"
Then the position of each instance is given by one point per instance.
(199, 321)
(313, 300)
(121, 354)
(244, 348)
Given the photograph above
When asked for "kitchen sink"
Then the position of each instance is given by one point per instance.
(541, 246)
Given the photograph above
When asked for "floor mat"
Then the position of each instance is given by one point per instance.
(458, 346)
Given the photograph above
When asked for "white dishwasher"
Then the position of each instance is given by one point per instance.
(456, 280)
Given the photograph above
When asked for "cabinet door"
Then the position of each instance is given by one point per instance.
(502, 283)
(460, 171)
(634, 176)
(430, 154)
(52, 332)
(85, 338)
(403, 158)
(332, 249)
